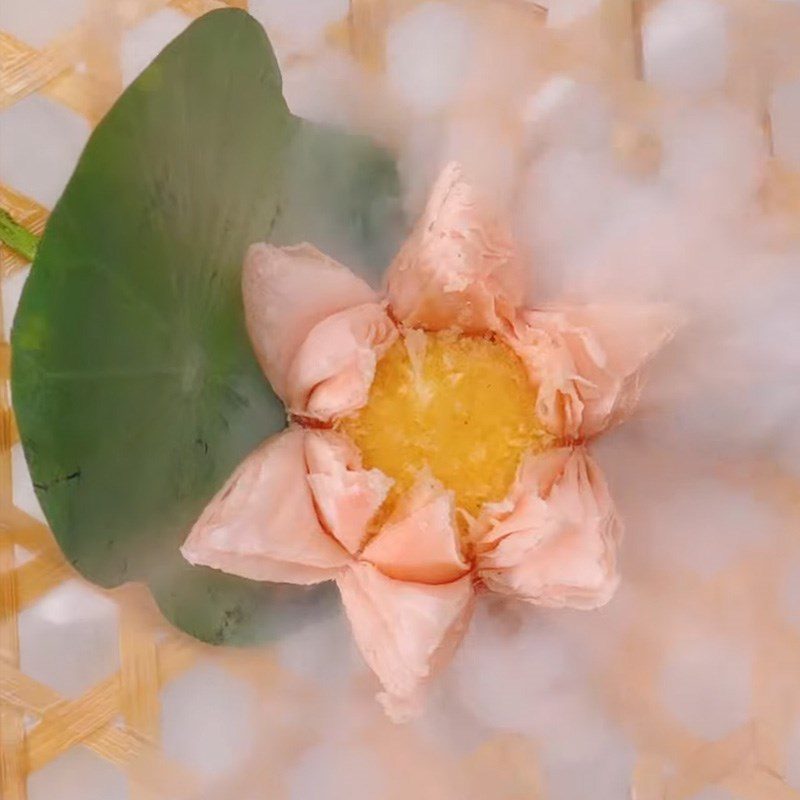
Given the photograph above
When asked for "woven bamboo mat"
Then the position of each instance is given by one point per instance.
(118, 719)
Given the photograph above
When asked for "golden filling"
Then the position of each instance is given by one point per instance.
(462, 406)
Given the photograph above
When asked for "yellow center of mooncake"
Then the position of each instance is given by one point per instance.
(462, 406)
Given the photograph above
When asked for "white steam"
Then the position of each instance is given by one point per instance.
(656, 200)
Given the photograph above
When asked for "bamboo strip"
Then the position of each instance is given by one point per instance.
(13, 764)
(139, 682)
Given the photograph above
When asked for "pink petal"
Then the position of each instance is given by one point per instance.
(459, 267)
(347, 496)
(587, 361)
(405, 631)
(262, 524)
(420, 541)
(287, 291)
(553, 541)
(333, 369)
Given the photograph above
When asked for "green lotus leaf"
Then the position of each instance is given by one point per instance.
(134, 384)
